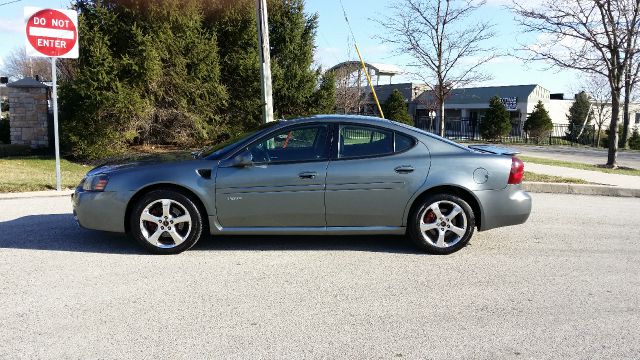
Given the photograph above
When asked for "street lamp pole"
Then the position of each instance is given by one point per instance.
(265, 60)
(432, 115)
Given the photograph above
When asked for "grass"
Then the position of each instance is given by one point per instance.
(35, 173)
(581, 166)
(533, 177)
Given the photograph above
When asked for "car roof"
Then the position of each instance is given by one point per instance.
(338, 118)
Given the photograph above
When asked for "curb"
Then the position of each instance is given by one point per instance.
(35, 194)
(580, 189)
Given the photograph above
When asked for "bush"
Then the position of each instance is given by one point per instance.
(14, 150)
(634, 139)
(495, 123)
(396, 109)
(5, 135)
(538, 124)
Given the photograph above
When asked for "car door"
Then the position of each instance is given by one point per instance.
(374, 175)
(284, 187)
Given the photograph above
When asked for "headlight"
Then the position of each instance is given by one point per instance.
(95, 182)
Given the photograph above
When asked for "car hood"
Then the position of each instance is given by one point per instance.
(139, 160)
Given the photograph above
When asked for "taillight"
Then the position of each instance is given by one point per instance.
(517, 171)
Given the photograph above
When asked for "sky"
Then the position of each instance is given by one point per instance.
(333, 45)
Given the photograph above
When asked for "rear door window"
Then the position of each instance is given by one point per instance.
(364, 141)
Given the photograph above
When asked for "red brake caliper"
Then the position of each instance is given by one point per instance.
(429, 217)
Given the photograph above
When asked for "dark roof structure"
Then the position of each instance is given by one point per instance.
(482, 94)
(27, 83)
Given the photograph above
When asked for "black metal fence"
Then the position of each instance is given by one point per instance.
(466, 129)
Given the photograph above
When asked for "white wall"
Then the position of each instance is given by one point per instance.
(558, 111)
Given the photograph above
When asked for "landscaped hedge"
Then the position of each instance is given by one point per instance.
(4, 131)
(14, 150)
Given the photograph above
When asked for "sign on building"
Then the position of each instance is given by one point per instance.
(511, 103)
(51, 32)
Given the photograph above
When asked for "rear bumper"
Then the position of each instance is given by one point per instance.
(100, 210)
(509, 206)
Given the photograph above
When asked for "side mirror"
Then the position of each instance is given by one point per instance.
(243, 159)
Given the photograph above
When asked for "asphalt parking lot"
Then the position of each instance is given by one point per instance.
(564, 285)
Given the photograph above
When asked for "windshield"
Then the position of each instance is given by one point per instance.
(220, 150)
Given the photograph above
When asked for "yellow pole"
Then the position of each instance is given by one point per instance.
(369, 80)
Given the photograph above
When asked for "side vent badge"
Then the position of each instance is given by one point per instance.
(204, 173)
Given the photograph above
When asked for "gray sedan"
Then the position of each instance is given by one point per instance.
(317, 175)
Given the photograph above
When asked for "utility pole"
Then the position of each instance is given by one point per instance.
(265, 60)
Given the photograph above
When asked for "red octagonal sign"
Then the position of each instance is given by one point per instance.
(52, 33)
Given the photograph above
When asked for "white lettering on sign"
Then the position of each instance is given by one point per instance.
(39, 21)
(60, 44)
(60, 23)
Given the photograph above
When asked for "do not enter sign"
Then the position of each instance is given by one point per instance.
(51, 32)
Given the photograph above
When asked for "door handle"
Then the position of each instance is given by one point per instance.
(307, 175)
(404, 169)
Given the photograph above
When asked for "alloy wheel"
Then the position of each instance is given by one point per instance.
(165, 223)
(443, 224)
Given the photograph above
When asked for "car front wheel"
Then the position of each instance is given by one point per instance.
(166, 222)
(442, 224)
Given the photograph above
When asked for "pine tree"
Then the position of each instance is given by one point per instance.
(323, 100)
(538, 124)
(298, 88)
(495, 123)
(579, 111)
(184, 73)
(395, 108)
(130, 89)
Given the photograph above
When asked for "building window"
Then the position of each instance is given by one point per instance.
(637, 118)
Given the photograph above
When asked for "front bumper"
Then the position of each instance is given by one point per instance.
(509, 206)
(100, 210)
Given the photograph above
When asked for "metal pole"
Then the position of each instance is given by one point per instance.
(54, 98)
(265, 60)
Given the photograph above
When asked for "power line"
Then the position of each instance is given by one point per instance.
(10, 2)
(344, 12)
(364, 67)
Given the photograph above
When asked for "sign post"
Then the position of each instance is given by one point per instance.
(52, 33)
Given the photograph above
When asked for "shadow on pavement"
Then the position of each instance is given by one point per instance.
(59, 232)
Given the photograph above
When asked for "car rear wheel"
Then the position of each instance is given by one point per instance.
(166, 222)
(442, 224)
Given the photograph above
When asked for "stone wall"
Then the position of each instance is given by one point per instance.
(28, 116)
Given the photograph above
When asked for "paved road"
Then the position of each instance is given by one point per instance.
(565, 285)
(579, 154)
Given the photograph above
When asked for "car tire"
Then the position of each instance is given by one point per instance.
(442, 224)
(166, 222)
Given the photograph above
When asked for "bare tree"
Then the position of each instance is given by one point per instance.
(594, 36)
(447, 46)
(349, 89)
(18, 65)
(597, 87)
